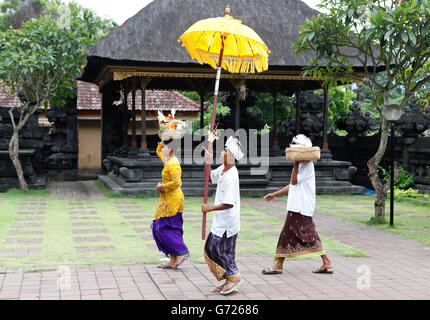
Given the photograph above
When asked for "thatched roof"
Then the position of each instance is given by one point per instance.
(146, 45)
(151, 36)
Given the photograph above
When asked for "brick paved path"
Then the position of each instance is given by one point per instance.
(399, 268)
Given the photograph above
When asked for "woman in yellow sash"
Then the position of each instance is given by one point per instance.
(167, 225)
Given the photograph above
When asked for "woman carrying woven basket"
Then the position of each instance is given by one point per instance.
(299, 235)
(167, 225)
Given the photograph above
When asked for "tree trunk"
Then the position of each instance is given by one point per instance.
(14, 156)
(381, 198)
(372, 164)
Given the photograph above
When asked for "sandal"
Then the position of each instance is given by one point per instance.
(231, 287)
(323, 270)
(270, 270)
(165, 266)
(217, 289)
(182, 260)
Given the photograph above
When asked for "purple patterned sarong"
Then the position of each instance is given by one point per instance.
(222, 252)
(168, 235)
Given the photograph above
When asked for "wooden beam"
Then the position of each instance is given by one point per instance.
(298, 111)
(133, 114)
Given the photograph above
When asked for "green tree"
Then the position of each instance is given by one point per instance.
(263, 109)
(220, 109)
(340, 100)
(14, 12)
(41, 61)
(391, 36)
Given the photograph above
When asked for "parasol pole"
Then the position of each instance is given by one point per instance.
(210, 146)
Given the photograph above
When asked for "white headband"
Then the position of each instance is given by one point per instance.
(233, 144)
(301, 141)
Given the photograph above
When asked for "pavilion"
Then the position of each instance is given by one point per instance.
(144, 54)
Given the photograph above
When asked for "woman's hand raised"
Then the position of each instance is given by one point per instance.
(269, 197)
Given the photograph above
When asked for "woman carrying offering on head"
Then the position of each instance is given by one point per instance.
(167, 225)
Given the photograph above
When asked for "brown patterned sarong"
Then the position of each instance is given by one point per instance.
(298, 237)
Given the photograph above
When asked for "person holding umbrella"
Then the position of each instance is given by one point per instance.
(299, 235)
(220, 244)
(224, 43)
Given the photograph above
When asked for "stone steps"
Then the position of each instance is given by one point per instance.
(248, 188)
(137, 177)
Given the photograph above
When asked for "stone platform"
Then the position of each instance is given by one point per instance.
(138, 176)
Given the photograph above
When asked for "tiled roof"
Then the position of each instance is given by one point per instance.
(89, 99)
(164, 100)
(88, 96)
(7, 100)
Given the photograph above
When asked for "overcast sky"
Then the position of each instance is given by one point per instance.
(121, 10)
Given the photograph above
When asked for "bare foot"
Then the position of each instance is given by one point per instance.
(170, 265)
(218, 289)
(278, 266)
(326, 263)
(181, 259)
(231, 286)
(326, 266)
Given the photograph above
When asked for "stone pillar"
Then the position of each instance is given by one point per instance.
(275, 151)
(240, 95)
(125, 117)
(202, 110)
(237, 111)
(275, 119)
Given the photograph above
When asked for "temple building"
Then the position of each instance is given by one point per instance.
(140, 66)
(144, 54)
(89, 117)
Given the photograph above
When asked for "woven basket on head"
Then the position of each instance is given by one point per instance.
(172, 130)
(303, 154)
(171, 134)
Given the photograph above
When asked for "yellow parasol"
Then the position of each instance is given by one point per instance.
(224, 42)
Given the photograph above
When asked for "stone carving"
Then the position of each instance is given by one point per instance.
(130, 175)
(413, 122)
(345, 175)
(411, 125)
(355, 123)
(108, 164)
(246, 120)
(30, 153)
(63, 139)
(311, 116)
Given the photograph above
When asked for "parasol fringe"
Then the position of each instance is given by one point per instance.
(234, 64)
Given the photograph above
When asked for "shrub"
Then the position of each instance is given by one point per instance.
(409, 193)
(405, 180)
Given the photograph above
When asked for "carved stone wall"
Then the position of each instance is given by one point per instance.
(31, 147)
(61, 158)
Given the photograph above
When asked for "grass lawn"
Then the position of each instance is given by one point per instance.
(116, 231)
(411, 217)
